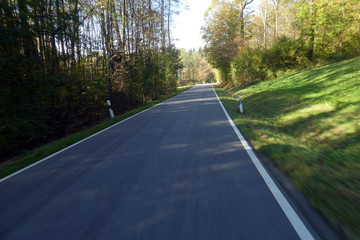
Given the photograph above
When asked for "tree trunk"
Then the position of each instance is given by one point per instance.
(311, 32)
(117, 29)
(162, 23)
(168, 22)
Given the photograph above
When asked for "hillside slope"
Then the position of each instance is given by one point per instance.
(308, 124)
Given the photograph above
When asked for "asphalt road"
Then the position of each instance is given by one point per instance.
(176, 171)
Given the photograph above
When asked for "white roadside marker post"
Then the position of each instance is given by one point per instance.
(240, 105)
(110, 110)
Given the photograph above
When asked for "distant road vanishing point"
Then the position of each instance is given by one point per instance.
(175, 171)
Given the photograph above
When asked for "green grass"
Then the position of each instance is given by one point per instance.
(308, 124)
(29, 157)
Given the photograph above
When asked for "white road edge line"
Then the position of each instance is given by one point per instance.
(83, 140)
(294, 219)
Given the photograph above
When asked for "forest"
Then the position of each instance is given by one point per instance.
(248, 45)
(195, 68)
(60, 60)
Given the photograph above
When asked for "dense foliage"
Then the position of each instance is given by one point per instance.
(61, 60)
(247, 46)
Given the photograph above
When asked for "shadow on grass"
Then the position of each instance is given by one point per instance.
(308, 125)
(331, 184)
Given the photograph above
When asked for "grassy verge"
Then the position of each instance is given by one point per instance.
(308, 124)
(29, 157)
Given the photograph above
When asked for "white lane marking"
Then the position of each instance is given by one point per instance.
(83, 140)
(294, 219)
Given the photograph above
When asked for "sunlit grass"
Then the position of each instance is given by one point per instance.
(29, 157)
(308, 124)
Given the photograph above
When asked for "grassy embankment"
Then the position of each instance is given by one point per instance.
(29, 157)
(308, 124)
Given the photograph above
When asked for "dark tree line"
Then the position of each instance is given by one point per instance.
(61, 59)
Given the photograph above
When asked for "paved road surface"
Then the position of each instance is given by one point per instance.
(177, 171)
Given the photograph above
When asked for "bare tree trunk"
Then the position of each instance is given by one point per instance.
(312, 31)
(276, 23)
(277, 4)
(117, 29)
(106, 50)
(74, 31)
(162, 23)
(60, 26)
(123, 19)
(137, 29)
(263, 13)
(168, 22)
(243, 5)
(150, 25)
(109, 27)
(128, 30)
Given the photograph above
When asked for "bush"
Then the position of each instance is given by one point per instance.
(247, 67)
(283, 55)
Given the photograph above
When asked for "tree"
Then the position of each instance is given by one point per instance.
(222, 35)
(316, 30)
(264, 13)
(327, 27)
(277, 5)
(61, 59)
(242, 4)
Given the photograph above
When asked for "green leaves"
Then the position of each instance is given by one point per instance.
(222, 34)
(328, 26)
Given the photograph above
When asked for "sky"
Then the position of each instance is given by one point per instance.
(187, 25)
